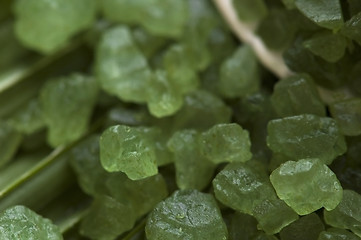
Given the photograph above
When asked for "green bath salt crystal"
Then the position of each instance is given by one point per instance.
(187, 214)
(226, 143)
(129, 150)
(296, 95)
(305, 228)
(121, 68)
(337, 234)
(47, 26)
(348, 115)
(106, 219)
(347, 215)
(67, 104)
(273, 215)
(242, 186)
(306, 136)
(307, 185)
(193, 170)
(239, 74)
(19, 222)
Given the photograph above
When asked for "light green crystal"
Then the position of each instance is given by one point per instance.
(297, 95)
(193, 170)
(140, 195)
(307, 185)
(129, 150)
(242, 186)
(325, 13)
(29, 119)
(329, 46)
(348, 115)
(337, 234)
(239, 74)
(106, 219)
(159, 17)
(226, 143)
(347, 215)
(250, 10)
(273, 215)
(306, 136)
(187, 214)
(47, 26)
(10, 140)
(121, 68)
(201, 110)
(164, 98)
(67, 104)
(307, 227)
(19, 222)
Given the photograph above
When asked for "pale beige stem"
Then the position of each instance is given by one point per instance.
(245, 32)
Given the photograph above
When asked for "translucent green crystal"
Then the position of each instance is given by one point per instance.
(242, 186)
(306, 136)
(307, 185)
(150, 14)
(10, 140)
(129, 150)
(250, 10)
(67, 104)
(239, 74)
(106, 219)
(347, 215)
(329, 46)
(19, 222)
(280, 21)
(273, 215)
(326, 13)
(242, 226)
(187, 214)
(148, 43)
(180, 72)
(201, 110)
(226, 143)
(140, 195)
(46, 26)
(297, 95)
(28, 119)
(307, 227)
(164, 98)
(352, 28)
(84, 159)
(193, 170)
(348, 115)
(337, 234)
(121, 68)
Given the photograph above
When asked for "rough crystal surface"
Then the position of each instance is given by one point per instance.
(129, 150)
(193, 170)
(46, 25)
(121, 68)
(326, 13)
(226, 143)
(337, 234)
(306, 136)
(67, 104)
(306, 228)
(187, 214)
(347, 215)
(307, 185)
(297, 95)
(242, 186)
(19, 222)
(239, 74)
(273, 215)
(106, 219)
